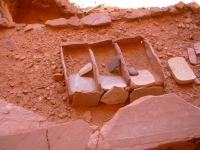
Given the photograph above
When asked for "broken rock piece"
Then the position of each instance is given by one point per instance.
(133, 71)
(87, 68)
(57, 23)
(144, 78)
(180, 70)
(197, 48)
(116, 95)
(114, 64)
(192, 56)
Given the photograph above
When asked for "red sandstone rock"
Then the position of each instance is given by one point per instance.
(116, 95)
(152, 123)
(74, 21)
(174, 11)
(138, 13)
(57, 23)
(58, 77)
(73, 136)
(194, 7)
(180, 5)
(156, 11)
(140, 92)
(15, 119)
(3, 22)
(96, 19)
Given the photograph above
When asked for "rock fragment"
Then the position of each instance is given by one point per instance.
(57, 23)
(192, 56)
(197, 48)
(28, 27)
(138, 13)
(96, 19)
(133, 71)
(74, 21)
(145, 91)
(3, 22)
(180, 5)
(113, 64)
(156, 11)
(194, 7)
(87, 68)
(180, 70)
(87, 116)
(58, 77)
(60, 88)
(116, 95)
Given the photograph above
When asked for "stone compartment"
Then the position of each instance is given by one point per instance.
(87, 90)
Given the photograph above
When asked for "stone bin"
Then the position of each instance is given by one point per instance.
(82, 90)
(105, 51)
(138, 53)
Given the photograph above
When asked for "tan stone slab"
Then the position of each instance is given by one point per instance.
(108, 82)
(145, 78)
(180, 70)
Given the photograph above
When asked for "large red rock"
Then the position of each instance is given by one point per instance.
(96, 19)
(152, 122)
(73, 136)
(14, 119)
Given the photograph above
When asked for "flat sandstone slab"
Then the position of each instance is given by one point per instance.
(96, 19)
(152, 122)
(57, 23)
(144, 78)
(181, 71)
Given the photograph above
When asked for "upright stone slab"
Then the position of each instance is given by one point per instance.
(180, 70)
(152, 122)
(192, 56)
(197, 48)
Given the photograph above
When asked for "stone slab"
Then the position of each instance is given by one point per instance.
(96, 19)
(107, 82)
(84, 83)
(151, 122)
(74, 21)
(180, 70)
(113, 64)
(87, 68)
(34, 140)
(138, 13)
(15, 119)
(197, 48)
(57, 23)
(192, 56)
(144, 91)
(133, 71)
(116, 95)
(144, 78)
(73, 136)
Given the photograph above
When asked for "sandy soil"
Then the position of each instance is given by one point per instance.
(27, 69)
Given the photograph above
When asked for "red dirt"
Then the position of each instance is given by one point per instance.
(35, 72)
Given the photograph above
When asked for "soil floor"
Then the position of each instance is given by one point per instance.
(27, 67)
